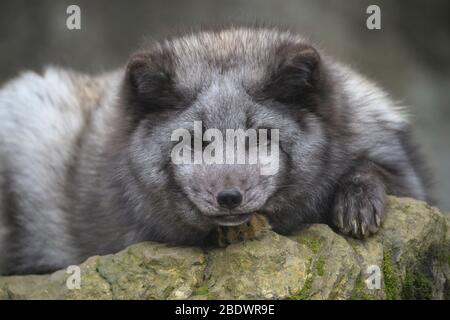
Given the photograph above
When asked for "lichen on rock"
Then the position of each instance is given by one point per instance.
(411, 251)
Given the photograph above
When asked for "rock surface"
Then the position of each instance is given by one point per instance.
(411, 253)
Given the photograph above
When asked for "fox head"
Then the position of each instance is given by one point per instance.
(208, 84)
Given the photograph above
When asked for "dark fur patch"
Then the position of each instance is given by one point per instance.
(293, 78)
(149, 85)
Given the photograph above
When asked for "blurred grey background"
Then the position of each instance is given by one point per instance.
(409, 56)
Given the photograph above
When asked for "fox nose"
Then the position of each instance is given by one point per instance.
(229, 199)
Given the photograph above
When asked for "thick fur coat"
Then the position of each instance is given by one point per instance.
(85, 163)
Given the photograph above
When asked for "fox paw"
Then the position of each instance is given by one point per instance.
(358, 208)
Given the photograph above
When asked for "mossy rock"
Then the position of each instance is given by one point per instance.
(411, 252)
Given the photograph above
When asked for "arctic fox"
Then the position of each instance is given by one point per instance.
(85, 165)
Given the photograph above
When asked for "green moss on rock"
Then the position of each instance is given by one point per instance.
(417, 286)
(305, 292)
(391, 281)
(360, 290)
(200, 291)
(320, 266)
(313, 243)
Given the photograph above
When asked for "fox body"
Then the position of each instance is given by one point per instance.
(85, 165)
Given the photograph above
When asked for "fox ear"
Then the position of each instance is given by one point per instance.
(295, 75)
(149, 84)
(138, 73)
